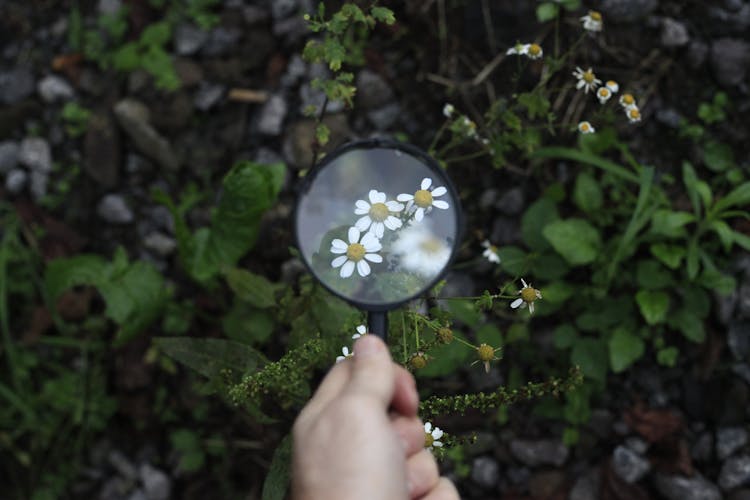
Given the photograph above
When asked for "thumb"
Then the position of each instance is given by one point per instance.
(373, 374)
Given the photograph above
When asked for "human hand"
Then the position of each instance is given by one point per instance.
(359, 437)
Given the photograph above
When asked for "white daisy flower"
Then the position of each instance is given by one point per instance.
(612, 86)
(627, 101)
(530, 50)
(424, 199)
(378, 214)
(420, 251)
(490, 252)
(528, 295)
(603, 94)
(356, 253)
(361, 331)
(587, 80)
(346, 354)
(633, 113)
(586, 128)
(592, 21)
(518, 49)
(448, 110)
(432, 436)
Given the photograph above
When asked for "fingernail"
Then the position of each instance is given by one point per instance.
(368, 345)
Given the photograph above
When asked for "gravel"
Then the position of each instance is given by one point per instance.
(686, 488)
(156, 483)
(188, 39)
(53, 89)
(113, 209)
(539, 452)
(16, 85)
(729, 60)
(735, 472)
(35, 153)
(272, 114)
(674, 33)
(16, 180)
(133, 116)
(629, 465)
(484, 472)
(9, 151)
(729, 440)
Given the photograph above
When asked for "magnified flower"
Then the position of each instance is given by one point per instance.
(528, 295)
(490, 252)
(592, 21)
(627, 100)
(448, 110)
(587, 80)
(634, 114)
(613, 86)
(378, 214)
(361, 331)
(346, 354)
(420, 251)
(356, 253)
(586, 128)
(424, 199)
(431, 436)
(603, 94)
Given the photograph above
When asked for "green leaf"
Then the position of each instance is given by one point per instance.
(564, 336)
(651, 275)
(188, 444)
(279, 473)
(557, 292)
(591, 355)
(696, 300)
(571, 5)
(549, 266)
(446, 359)
(383, 14)
(489, 334)
(575, 239)
(536, 217)
(587, 194)
(252, 288)
(210, 357)
(742, 240)
(691, 184)
(667, 356)
(724, 232)
(669, 255)
(692, 259)
(669, 223)
(587, 158)
(322, 134)
(513, 260)
(738, 197)
(156, 34)
(624, 349)
(536, 104)
(247, 324)
(653, 305)
(546, 12)
(717, 281)
(718, 156)
(687, 322)
(62, 274)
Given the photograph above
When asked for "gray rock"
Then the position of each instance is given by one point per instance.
(35, 154)
(697, 53)
(208, 95)
(518, 475)
(157, 484)
(673, 33)
(122, 465)
(8, 156)
(383, 118)
(101, 150)
(743, 300)
(162, 218)
(638, 445)
(291, 29)
(726, 22)
(735, 472)
(729, 440)
(587, 486)
(669, 117)
(281, 9)
(629, 465)
(16, 85)
(733, 5)
(488, 198)
(484, 472)
(296, 68)
(16, 180)
(138, 494)
(725, 305)
(291, 270)
(372, 90)
(133, 117)
(38, 184)
(686, 488)
(738, 339)
(625, 11)
(729, 60)
(189, 39)
(540, 452)
(52, 88)
(300, 135)
(115, 488)
(160, 243)
(511, 202)
(109, 7)
(113, 209)
(221, 41)
(703, 447)
(272, 114)
(601, 422)
(314, 97)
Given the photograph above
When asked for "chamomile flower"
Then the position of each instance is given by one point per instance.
(633, 113)
(361, 331)
(470, 128)
(603, 94)
(356, 253)
(378, 214)
(627, 100)
(612, 86)
(586, 128)
(530, 50)
(448, 110)
(424, 199)
(485, 354)
(346, 354)
(432, 436)
(518, 49)
(490, 252)
(587, 80)
(592, 21)
(420, 251)
(528, 295)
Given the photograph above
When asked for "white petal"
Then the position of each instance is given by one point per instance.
(373, 195)
(392, 223)
(353, 235)
(339, 359)
(345, 350)
(347, 269)
(531, 308)
(338, 250)
(580, 84)
(419, 215)
(427, 426)
(440, 204)
(394, 206)
(337, 243)
(339, 261)
(439, 191)
(373, 257)
(379, 229)
(524, 283)
(405, 197)
(363, 268)
(361, 211)
(437, 433)
(370, 241)
(356, 336)
(426, 182)
(363, 223)
(516, 303)
(437, 444)
(362, 204)
(379, 197)
(362, 329)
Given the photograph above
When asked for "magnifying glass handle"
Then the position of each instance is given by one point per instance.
(378, 324)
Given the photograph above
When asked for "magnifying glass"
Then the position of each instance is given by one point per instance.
(377, 223)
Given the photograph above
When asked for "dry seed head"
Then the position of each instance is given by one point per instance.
(418, 361)
(445, 335)
(485, 352)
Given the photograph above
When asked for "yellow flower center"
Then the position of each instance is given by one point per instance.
(528, 294)
(634, 114)
(485, 352)
(379, 212)
(595, 16)
(604, 92)
(423, 198)
(428, 440)
(355, 252)
(588, 76)
(535, 49)
(585, 127)
(418, 361)
(611, 83)
(628, 99)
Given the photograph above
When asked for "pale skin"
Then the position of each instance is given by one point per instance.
(359, 437)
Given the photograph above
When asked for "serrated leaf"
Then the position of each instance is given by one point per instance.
(536, 217)
(692, 259)
(587, 194)
(591, 355)
(383, 14)
(670, 255)
(653, 305)
(575, 239)
(277, 481)
(210, 357)
(625, 348)
(64, 273)
(252, 288)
